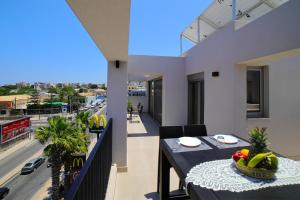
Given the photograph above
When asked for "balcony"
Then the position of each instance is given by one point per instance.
(228, 52)
(140, 181)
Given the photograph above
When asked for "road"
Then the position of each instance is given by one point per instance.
(102, 111)
(24, 187)
(21, 155)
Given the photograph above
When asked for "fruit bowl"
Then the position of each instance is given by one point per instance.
(259, 173)
(258, 162)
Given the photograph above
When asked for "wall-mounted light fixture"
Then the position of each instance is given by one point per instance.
(215, 74)
(117, 64)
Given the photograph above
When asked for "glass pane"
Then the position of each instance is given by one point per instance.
(253, 90)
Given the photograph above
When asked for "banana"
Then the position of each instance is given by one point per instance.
(241, 162)
(273, 161)
(258, 158)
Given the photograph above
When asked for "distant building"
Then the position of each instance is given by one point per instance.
(23, 85)
(100, 92)
(17, 102)
(45, 96)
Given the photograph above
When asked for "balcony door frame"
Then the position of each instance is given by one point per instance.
(196, 98)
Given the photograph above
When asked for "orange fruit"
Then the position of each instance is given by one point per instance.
(245, 152)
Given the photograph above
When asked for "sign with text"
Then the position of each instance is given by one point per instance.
(14, 129)
(77, 162)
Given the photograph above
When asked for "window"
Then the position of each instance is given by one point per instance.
(255, 92)
(2, 112)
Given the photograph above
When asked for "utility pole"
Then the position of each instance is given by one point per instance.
(51, 104)
(70, 101)
(39, 108)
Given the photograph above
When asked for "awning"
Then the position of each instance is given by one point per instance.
(219, 14)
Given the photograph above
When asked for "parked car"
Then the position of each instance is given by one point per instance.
(3, 192)
(31, 165)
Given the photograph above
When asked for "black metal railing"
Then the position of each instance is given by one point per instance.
(92, 181)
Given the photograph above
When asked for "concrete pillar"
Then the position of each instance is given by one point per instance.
(117, 110)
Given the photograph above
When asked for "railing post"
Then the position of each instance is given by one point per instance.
(233, 7)
(198, 29)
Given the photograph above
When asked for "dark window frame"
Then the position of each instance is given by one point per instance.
(260, 112)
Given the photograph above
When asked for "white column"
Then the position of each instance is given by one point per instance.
(117, 110)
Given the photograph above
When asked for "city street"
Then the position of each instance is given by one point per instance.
(10, 162)
(24, 187)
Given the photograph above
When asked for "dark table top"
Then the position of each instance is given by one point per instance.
(184, 161)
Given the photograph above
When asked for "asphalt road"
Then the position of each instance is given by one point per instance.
(102, 111)
(10, 162)
(24, 187)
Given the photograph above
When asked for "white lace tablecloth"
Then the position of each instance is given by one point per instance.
(223, 175)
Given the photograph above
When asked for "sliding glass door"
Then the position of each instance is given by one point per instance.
(196, 99)
(155, 99)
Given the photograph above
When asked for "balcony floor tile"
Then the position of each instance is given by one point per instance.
(140, 180)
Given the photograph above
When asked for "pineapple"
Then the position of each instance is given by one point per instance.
(258, 140)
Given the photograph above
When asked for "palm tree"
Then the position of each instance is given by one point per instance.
(63, 139)
(82, 119)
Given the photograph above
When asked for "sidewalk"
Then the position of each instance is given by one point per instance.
(15, 147)
(91, 146)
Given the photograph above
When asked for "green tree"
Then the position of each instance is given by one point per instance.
(4, 91)
(82, 120)
(53, 90)
(92, 86)
(63, 139)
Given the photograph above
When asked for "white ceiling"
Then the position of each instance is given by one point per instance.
(107, 22)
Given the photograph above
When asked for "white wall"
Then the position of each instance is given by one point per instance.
(228, 52)
(139, 99)
(174, 100)
(225, 96)
(284, 94)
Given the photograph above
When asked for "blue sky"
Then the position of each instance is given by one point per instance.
(42, 40)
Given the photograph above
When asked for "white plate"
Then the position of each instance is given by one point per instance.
(189, 141)
(227, 139)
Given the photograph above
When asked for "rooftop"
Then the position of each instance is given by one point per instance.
(221, 12)
(15, 97)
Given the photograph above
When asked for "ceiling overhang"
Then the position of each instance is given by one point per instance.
(107, 22)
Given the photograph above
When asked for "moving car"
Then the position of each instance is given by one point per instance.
(31, 165)
(3, 192)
